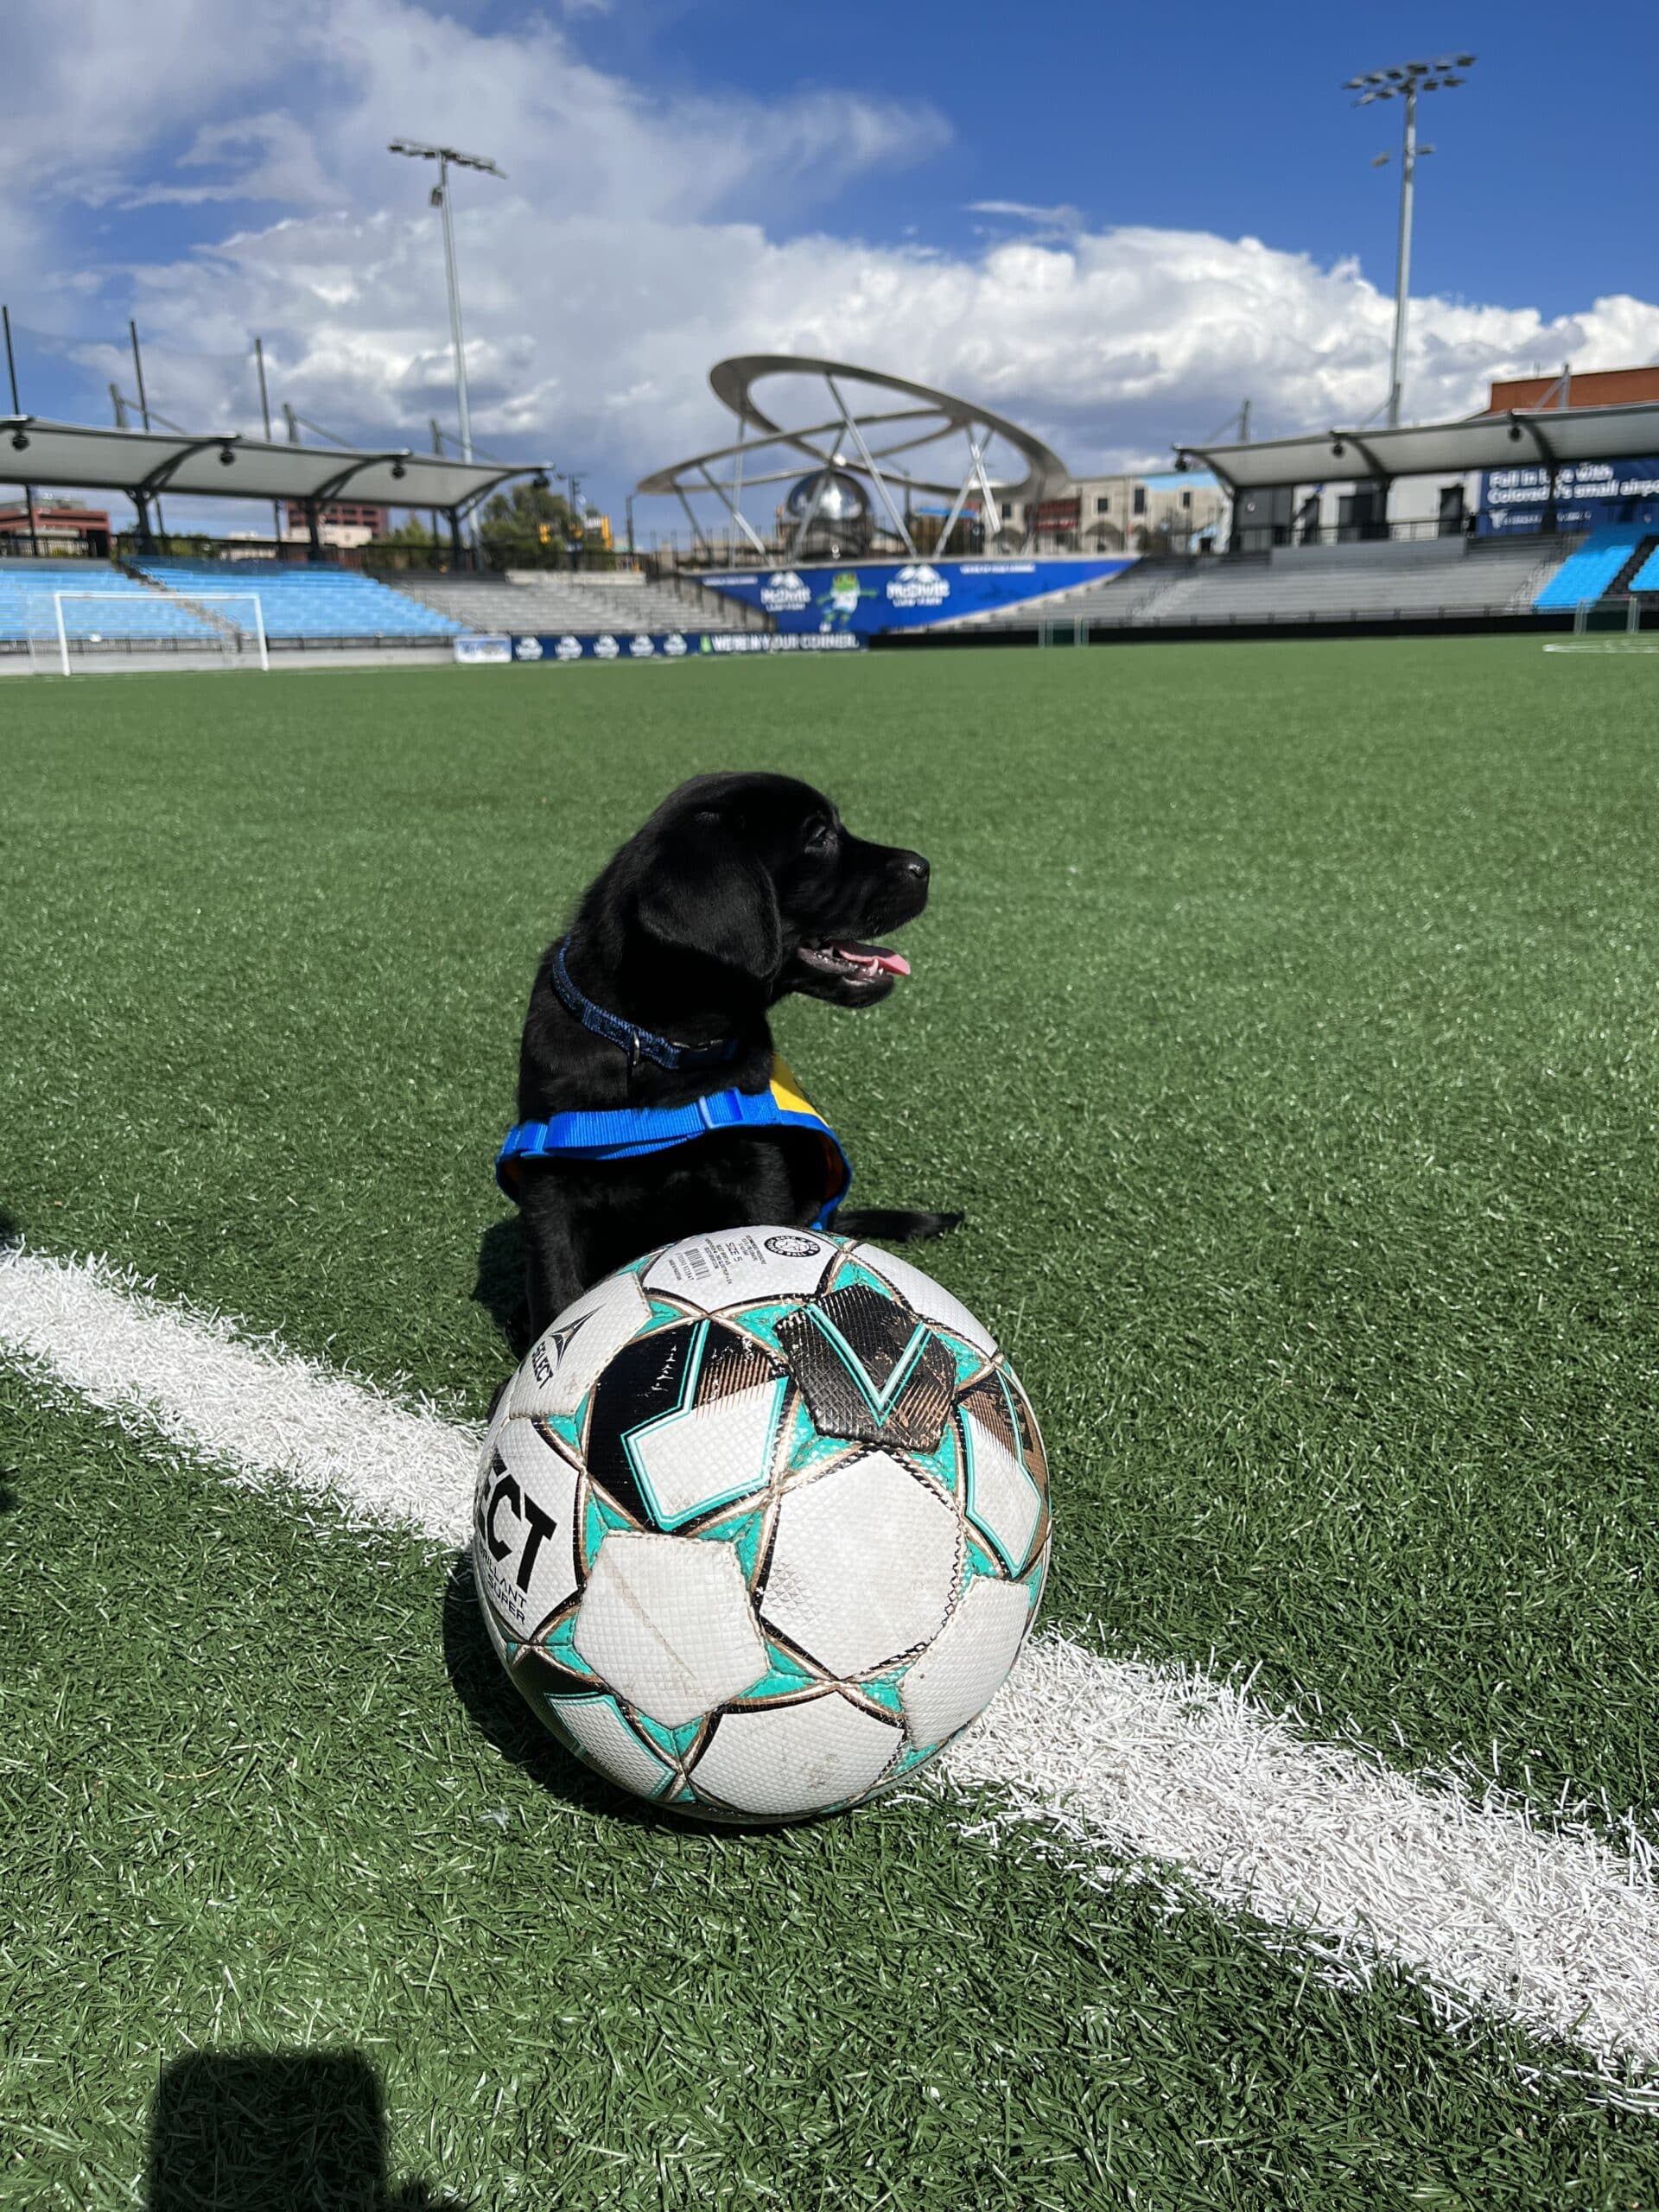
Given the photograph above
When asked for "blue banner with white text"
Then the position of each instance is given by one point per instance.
(1589, 495)
(640, 646)
(864, 598)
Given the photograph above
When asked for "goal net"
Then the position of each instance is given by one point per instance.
(112, 631)
(1608, 626)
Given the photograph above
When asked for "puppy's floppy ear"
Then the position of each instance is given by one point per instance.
(703, 891)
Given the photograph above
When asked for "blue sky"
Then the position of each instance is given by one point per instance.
(1113, 223)
(1228, 118)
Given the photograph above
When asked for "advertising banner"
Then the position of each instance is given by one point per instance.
(1589, 495)
(642, 645)
(865, 598)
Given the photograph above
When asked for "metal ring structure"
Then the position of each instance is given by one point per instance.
(860, 440)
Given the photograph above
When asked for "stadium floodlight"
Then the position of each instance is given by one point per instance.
(449, 157)
(1442, 74)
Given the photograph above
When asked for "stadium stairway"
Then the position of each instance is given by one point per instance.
(546, 601)
(304, 605)
(1605, 559)
(1643, 567)
(127, 609)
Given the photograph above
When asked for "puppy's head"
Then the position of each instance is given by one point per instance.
(756, 877)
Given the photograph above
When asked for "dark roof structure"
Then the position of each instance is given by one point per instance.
(1518, 438)
(226, 465)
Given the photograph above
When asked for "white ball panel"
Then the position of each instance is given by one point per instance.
(796, 1758)
(924, 1296)
(742, 1266)
(708, 1454)
(493, 1629)
(595, 1724)
(959, 1674)
(1001, 1496)
(666, 1620)
(863, 1565)
(567, 1358)
(522, 1543)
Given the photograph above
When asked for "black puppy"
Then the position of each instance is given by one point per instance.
(738, 890)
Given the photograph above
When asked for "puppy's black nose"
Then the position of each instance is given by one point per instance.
(913, 865)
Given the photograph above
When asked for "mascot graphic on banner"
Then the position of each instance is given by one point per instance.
(840, 602)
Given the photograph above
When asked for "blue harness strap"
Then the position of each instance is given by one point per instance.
(629, 1132)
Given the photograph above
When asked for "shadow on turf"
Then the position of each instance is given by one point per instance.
(501, 1715)
(249, 2130)
(499, 1287)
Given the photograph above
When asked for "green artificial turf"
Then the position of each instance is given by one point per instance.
(1284, 1020)
(317, 1920)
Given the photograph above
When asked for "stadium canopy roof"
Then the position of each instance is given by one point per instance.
(228, 465)
(1519, 438)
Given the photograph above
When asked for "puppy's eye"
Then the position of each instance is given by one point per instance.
(820, 837)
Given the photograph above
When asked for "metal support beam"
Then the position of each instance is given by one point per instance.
(735, 502)
(729, 502)
(812, 515)
(992, 525)
(17, 409)
(334, 486)
(1339, 439)
(698, 537)
(1551, 459)
(960, 499)
(164, 471)
(869, 459)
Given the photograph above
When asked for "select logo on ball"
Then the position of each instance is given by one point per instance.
(792, 1248)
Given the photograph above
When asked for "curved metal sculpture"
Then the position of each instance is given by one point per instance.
(876, 445)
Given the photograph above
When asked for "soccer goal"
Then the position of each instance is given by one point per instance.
(1607, 626)
(117, 631)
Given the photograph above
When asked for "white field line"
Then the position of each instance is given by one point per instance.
(1549, 1928)
(268, 1418)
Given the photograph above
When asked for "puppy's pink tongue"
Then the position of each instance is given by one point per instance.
(878, 956)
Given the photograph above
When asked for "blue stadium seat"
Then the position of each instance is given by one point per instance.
(132, 610)
(1647, 576)
(299, 602)
(1588, 573)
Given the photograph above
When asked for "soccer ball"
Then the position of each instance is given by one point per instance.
(762, 1523)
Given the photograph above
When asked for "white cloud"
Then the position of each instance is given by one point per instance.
(638, 239)
(593, 335)
(1062, 221)
(271, 157)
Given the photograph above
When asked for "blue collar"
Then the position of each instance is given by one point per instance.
(638, 1043)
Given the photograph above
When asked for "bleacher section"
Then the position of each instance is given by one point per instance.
(137, 611)
(1595, 566)
(301, 604)
(1449, 577)
(547, 601)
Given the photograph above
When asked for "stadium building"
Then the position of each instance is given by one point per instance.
(862, 508)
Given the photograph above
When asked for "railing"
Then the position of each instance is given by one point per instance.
(488, 559)
(1080, 629)
(143, 643)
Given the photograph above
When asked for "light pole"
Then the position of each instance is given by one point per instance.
(445, 156)
(578, 540)
(1405, 83)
